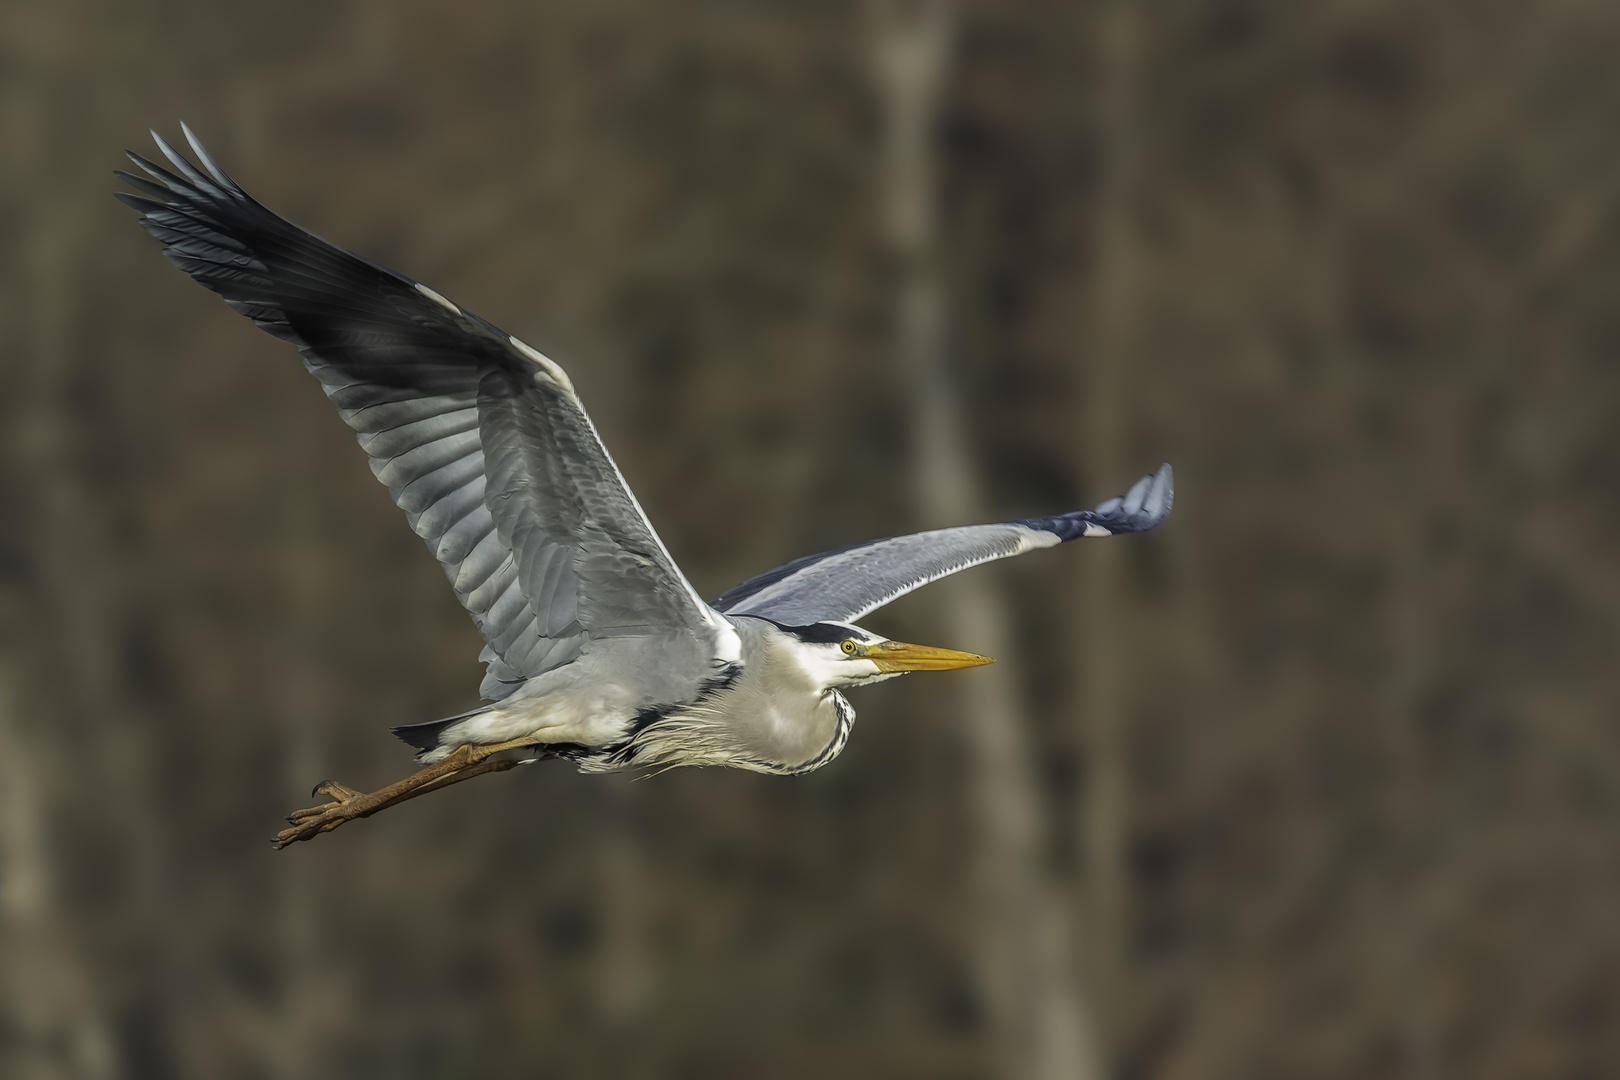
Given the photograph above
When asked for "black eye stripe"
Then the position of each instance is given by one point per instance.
(818, 633)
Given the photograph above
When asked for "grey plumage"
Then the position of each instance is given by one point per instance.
(852, 582)
(597, 648)
(486, 449)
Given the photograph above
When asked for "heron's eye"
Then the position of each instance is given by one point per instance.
(849, 648)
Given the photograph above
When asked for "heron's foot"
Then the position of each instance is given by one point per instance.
(346, 805)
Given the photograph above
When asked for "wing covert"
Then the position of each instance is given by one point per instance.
(849, 583)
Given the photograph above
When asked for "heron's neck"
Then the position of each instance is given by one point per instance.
(780, 711)
(771, 714)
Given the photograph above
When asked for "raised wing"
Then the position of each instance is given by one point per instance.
(851, 582)
(480, 439)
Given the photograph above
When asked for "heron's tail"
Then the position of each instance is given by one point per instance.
(425, 736)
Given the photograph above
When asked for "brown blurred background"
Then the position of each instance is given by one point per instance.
(1322, 779)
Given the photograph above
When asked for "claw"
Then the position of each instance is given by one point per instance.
(334, 790)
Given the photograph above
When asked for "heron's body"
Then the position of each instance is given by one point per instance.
(598, 648)
(764, 705)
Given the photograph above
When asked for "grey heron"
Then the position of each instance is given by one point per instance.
(598, 650)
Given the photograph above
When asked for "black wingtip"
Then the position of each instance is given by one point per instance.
(1160, 494)
(155, 171)
(220, 176)
(1143, 507)
(211, 180)
(177, 159)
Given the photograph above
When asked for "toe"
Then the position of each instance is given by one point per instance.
(334, 790)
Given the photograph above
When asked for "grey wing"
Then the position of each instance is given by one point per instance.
(480, 439)
(846, 584)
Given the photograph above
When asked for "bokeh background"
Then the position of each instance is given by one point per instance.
(1321, 779)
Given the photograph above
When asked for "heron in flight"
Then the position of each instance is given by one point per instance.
(598, 649)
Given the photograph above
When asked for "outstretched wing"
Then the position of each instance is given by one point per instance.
(480, 439)
(851, 582)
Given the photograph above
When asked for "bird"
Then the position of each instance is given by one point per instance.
(597, 649)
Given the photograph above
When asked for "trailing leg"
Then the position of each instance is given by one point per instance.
(347, 804)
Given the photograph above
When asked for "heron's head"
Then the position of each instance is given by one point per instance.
(840, 655)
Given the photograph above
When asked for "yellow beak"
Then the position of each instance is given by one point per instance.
(899, 656)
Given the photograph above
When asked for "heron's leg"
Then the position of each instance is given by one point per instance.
(347, 804)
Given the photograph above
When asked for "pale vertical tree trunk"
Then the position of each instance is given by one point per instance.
(1407, 612)
(624, 975)
(296, 1041)
(54, 1030)
(50, 1001)
(1105, 644)
(294, 1036)
(1040, 1027)
(1410, 602)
